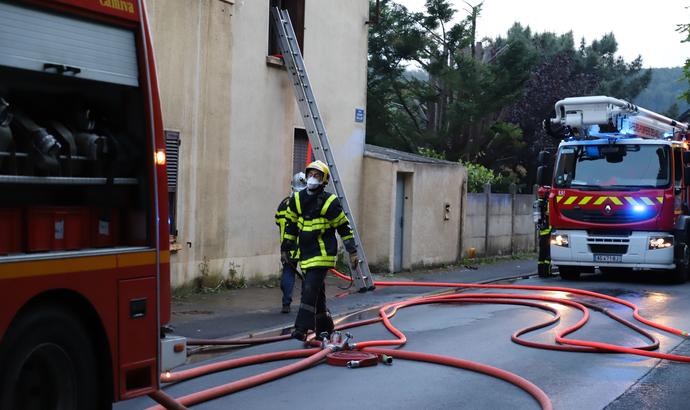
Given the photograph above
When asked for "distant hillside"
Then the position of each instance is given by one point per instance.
(664, 90)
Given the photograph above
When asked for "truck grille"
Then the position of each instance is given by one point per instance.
(616, 217)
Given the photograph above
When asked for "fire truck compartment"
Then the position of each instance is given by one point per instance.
(74, 136)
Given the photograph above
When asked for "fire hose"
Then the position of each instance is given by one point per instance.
(387, 311)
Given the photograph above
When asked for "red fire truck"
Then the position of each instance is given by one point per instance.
(619, 194)
(84, 259)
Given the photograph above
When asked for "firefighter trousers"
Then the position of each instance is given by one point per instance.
(312, 314)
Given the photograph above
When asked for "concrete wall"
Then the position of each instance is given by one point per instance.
(237, 115)
(510, 227)
(428, 238)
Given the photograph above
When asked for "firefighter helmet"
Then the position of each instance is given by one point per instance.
(321, 167)
(299, 182)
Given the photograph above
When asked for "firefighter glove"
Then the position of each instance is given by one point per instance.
(284, 257)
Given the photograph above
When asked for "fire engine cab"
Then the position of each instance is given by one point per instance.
(619, 189)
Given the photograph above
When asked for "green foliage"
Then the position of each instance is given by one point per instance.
(685, 30)
(664, 90)
(431, 153)
(432, 90)
(478, 176)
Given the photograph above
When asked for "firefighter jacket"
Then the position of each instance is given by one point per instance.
(281, 221)
(311, 223)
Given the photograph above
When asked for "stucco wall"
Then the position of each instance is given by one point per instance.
(378, 202)
(428, 238)
(237, 117)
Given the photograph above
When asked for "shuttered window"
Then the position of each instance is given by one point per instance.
(172, 161)
(300, 155)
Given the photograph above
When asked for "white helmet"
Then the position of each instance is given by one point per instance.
(299, 182)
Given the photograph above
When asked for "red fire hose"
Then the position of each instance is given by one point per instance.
(387, 311)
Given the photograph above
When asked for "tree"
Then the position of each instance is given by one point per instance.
(480, 102)
(685, 29)
(455, 109)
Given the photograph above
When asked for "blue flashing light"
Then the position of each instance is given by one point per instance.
(592, 151)
(639, 208)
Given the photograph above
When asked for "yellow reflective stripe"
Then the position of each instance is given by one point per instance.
(600, 200)
(315, 228)
(297, 203)
(615, 200)
(310, 225)
(322, 245)
(341, 219)
(558, 198)
(315, 221)
(545, 231)
(631, 200)
(317, 261)
(570, 200)
(346, 237)
(647, 200)
(290, 237)
(281, 223)
(327, 204)
(660, 199)
(585, 200)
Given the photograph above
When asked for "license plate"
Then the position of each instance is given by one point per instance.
(608, 258)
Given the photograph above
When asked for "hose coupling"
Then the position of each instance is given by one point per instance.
(385, 359)
(352, 364)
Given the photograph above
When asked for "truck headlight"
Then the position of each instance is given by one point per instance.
(660, 242)
(559, 239)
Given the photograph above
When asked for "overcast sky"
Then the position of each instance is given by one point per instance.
(641, 28)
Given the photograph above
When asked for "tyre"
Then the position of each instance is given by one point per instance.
(48, 361)
(679, 275)
(569, 272)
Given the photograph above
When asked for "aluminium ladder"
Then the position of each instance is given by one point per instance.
(292, 57)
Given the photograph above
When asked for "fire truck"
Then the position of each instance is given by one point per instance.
(618, 195)
(84, 237)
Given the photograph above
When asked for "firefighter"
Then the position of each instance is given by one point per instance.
(544, 256)
(313, 216)
(287, 279)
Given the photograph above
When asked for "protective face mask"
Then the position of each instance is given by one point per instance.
(313, 183)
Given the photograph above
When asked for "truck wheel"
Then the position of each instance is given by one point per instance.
(48, 361)
(569, 272)
(680, 274)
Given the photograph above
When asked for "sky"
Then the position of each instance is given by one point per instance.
(641, 28)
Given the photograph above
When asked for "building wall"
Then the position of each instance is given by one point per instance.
(510, 228)
(237, 115)
(428, 238)
(377, 223)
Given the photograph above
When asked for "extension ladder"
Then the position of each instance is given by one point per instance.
(292, 57)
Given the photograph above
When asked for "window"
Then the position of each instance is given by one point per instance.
(678, 166)
(301, 154)
(619, 166)
(296, 10)
(172, 154)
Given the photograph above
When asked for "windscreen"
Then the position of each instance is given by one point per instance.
(613, 167)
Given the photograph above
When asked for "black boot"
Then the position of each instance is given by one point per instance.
(285, 309)
(324, 324)
(299, 334)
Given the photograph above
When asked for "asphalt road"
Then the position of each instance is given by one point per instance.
(482, 333)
